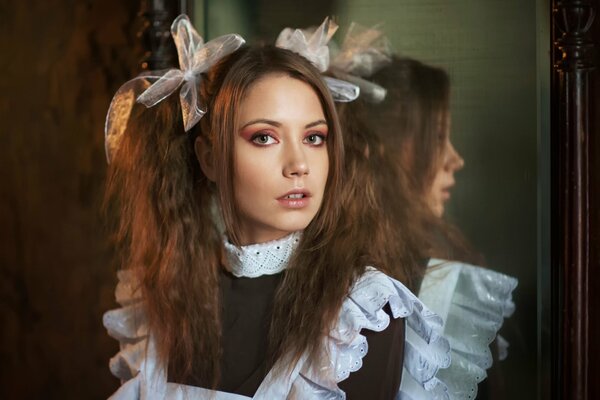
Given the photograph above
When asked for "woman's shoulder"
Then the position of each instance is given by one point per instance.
(425, 349)
(372, 291)
(136, 364)
(128, 325)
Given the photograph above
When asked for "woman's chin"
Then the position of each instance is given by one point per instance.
(437, 209)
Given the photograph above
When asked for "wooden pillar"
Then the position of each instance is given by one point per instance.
(570, 194)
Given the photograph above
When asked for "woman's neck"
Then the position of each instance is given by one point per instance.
(259, 235)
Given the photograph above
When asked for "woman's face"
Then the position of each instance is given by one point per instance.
(443, 180)
(281, 162)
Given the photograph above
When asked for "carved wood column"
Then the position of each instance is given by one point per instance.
(157, 16)
(570, 192)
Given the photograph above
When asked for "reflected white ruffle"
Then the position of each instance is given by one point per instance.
(473, 301)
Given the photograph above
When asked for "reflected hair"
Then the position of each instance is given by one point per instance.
(390, 236)
(387, 179)
(418, 99)
(411, 125)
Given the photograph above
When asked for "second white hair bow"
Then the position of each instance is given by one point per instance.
(364, 51)
(313, 47)
(150, 88)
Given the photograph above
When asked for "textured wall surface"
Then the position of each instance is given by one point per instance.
(60, 63)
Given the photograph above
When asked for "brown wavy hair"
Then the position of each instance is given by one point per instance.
(410, 123)
(388, 235)
(398, 231)
(167, 233)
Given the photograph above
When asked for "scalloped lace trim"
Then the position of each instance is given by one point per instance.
(263, 258)
(426, 351)
(474, 302)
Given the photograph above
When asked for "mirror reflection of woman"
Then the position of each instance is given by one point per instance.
(407, 131)
(418, 140)
(449, 162)
(238, 279)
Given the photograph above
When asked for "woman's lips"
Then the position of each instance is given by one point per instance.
(295, 199)
(446, 193)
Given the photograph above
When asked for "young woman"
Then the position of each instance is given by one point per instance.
(403, 139)
(238, 280)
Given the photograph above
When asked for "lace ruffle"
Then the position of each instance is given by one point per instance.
(263, 258)
(473, 302)
(128, 325)
(426, 351)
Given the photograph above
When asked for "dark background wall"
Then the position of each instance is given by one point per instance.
(60, 63)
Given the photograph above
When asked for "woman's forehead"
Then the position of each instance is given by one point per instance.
(280, 98)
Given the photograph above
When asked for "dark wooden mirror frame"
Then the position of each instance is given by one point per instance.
(574, 186)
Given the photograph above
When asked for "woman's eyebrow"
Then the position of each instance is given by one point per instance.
(278, 124)
(319, 122)
(262, 121)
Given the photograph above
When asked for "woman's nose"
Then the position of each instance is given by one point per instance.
(295, 163)
(455, 161)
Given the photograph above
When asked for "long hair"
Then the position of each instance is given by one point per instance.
(417, 97)
(167, 231)
(389, 235)
(410, 123)
(387, 181)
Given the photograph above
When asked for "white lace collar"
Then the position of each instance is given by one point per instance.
(261, 259)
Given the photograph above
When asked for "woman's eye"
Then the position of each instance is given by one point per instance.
(315, 139)
(263, 139)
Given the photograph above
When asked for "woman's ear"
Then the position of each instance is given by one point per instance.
(205, 157)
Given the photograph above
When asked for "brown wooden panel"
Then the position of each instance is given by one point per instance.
(61, 63)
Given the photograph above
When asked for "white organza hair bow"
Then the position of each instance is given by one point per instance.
(313, 47)
(364, 51)
(150, 88)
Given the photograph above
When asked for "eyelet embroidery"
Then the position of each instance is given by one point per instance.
(261, 259)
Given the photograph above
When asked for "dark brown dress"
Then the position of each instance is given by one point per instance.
(246, 313)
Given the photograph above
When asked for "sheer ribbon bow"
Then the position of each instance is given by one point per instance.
(364, 51)
(150, 88)
(313, 47)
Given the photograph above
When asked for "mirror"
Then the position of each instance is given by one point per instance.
(497, 57)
